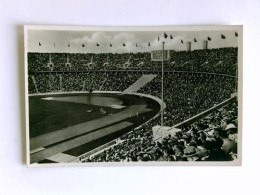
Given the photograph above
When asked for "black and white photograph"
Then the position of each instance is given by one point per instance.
(108, 96)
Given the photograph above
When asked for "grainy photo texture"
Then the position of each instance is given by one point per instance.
(133, 95)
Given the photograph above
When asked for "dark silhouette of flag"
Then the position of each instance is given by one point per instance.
(236, 34)
(123, 44)
(136, 45)
(149, 44)
(195, 40)
(69, 45)
(40, 44)
(222, 36)
(171, 36)
(83, 45)
(158, 38)
(182, 41)
(97, 44)
(165, 35)
(110, 45)
(209, 39)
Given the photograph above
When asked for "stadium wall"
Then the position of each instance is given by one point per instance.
(72, 92)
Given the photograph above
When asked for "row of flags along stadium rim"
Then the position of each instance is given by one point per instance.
(165, 36)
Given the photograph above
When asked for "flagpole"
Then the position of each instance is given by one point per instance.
(236, 87)
(162, 84)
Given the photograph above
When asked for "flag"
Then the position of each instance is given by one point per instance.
(54, 44)
(195, 40)
(69, 45)
(136, 45)
(97, 44)
(171, 36)
(83, 45)
(123, 44)
(165, 35)
(209, 39)
(110, 45)
(182, 41)
(149, 44)
(158, 38)
(236, 34)
(40, 44)
(222, 36)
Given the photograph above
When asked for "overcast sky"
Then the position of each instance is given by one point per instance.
(62, 39)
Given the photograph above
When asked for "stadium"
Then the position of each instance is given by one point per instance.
(129, 107)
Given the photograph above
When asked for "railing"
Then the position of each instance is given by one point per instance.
(205, 113)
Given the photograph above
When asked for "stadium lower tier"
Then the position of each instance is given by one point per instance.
(185, 95)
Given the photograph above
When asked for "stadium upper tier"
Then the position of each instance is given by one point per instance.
(221, 60)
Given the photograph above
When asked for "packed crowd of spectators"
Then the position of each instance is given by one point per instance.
(213, 138)
(84, 81)
(222, 60)
(186, 96)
